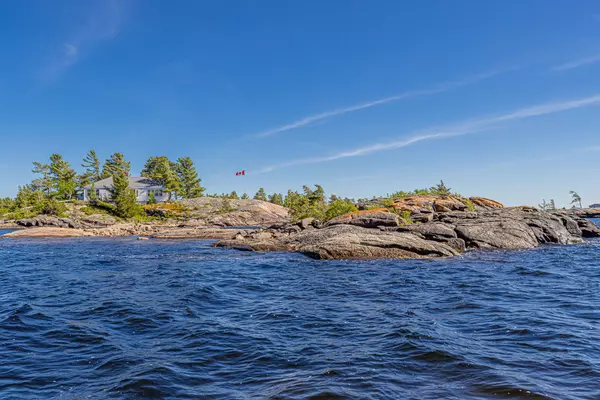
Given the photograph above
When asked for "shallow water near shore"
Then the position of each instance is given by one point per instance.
(118, 318)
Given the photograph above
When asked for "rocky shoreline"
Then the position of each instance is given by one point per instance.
(441, 228)
(378, 234)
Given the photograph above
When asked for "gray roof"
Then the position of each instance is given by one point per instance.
(135, 182)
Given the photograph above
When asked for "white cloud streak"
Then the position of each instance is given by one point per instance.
(414, 93)
(104, 23)
(577, 63)
(467, 127)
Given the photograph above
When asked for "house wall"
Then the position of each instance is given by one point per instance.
(142, 195)
(102, 194)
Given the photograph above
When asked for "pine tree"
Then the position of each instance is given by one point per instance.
(576, 199)
(190, 183)
(298, 204)
(441, 190)
(43, 183)
(93, 172)
(116, 164)
(234, 195)
(62, 177)
(317, 201)
(125, 201)
(544, 205)
(276, 198)
(260, 195)
(245, 196)
(162, 171)
(151, 198)
(29, 196)
(93, 196)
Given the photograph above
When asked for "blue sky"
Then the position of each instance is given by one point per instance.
(498, 99)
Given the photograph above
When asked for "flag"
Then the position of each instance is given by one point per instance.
(241, 173)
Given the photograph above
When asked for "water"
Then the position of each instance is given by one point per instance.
(126, 319)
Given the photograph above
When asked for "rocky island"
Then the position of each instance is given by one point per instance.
(448, 228)
(411, 227)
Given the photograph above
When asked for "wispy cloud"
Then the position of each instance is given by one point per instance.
(464, 128)
(103, 22)
(414, 93)
(577, 63)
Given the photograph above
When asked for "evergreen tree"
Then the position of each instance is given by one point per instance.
(440, 189)
(276, 198)
(62, 177)
(93, 172)
(544, 205)
(116, 164)
(317, 201)
(125, 201)
(93, 196)
(312, 203)
(151, 198)
(298, 205)
(576, 199)
(44, 182)
(234, 195)
(29, 196)
(190, 183)
(162, 171)
(7, 205)
(245, 196)
(260, 195)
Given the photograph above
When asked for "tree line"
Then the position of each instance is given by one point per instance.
(309, 203)
(57, 181)
(551, 205)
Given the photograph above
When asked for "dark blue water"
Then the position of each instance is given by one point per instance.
(126, 319)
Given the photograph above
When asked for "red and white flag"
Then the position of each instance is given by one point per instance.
(241, 173)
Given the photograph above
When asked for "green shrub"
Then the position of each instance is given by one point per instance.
(309, 204)
(406, 216)
(87, 210)
(21, 214)
(152, 198)
(52, 207)
(389, 202)
(439, 190)
(339, 207)
(104, 206)
(470, 205)
(225, 206)
(141, 218)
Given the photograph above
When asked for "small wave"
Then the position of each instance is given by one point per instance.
(115, 319)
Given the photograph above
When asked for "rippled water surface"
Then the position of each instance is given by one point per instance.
(126, 319)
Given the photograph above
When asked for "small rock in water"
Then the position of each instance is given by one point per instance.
(143, 238)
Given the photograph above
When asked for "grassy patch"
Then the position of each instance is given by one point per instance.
(469, 204)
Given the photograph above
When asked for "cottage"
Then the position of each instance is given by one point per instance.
(142, 186)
